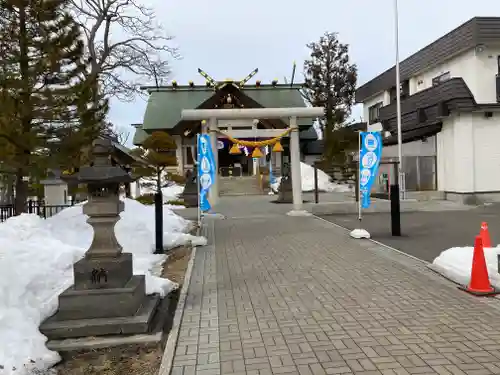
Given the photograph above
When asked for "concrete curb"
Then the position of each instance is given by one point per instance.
(378, 243)
(378, 206)
(171, 346)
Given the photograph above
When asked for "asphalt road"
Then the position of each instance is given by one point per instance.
(426, 234)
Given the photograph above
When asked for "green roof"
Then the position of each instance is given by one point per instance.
(139, 136)
(279, 97)
(164, 107)
(165, 104)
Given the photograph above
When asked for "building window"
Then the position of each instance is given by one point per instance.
(404, 91)
(405, 88)
(393, 95)
(373, 113)
(441, 78)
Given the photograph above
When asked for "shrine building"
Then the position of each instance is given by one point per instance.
(163, 113)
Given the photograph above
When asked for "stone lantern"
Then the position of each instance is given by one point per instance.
(106, 298)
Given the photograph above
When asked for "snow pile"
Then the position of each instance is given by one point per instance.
(36, 263)
(359, 233)
(172, 193)
(324, 181)
(456, 264)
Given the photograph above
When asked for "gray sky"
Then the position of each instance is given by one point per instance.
(228, 39)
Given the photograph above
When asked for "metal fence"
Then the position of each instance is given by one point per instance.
(34, 207)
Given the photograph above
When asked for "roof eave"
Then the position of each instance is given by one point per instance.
(170, 88)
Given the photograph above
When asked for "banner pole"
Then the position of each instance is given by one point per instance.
(198, 177)
(359, 179)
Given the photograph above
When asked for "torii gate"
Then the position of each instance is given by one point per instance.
(212, 115)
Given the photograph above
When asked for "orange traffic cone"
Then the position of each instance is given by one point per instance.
(479, 284)
(485, 234)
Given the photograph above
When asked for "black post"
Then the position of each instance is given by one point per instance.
(356, 182)
(316, 193)
(395, 206)
(159, 222)
(158, 215)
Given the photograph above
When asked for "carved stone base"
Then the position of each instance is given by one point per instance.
(102, 303)
(56, 328)
(103, 272)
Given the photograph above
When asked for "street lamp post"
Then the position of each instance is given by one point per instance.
(158, 198)
(395, 193)
(398, 102)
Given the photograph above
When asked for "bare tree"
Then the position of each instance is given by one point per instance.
(121, 134)
(125, 44)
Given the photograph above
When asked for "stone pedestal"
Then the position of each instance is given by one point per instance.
(106, 298)
(285, 193)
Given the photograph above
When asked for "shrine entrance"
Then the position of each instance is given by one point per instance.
(233, 165)
(237, 135)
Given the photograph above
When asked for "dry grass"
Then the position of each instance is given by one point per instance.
(130, 359)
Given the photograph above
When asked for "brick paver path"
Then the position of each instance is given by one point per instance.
(296, 295)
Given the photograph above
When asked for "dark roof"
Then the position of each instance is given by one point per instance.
(308, 134)
(163, 111)
(310, 144)
(454, 93)
(126, 156)
(313, 147)
(478, 30)
(359, 126)
(413, 135)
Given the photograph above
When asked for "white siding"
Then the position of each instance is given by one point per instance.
(468, 154)
(478, 70)
(416, 148)
(487, 152)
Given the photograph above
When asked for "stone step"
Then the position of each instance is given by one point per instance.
(240, 186)
(55, 329)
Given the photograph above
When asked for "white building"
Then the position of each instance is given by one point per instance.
(450, 93)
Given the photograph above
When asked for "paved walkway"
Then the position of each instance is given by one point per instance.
(295, 295)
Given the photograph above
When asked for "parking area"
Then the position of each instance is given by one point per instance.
(427, 234)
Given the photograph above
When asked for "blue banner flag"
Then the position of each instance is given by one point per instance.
(369, 161)
(206, 170)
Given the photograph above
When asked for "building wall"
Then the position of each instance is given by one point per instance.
(478, 70)
(416, 148)
(468, 155)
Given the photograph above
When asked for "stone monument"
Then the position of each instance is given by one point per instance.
(106, 298)
(285, 191)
